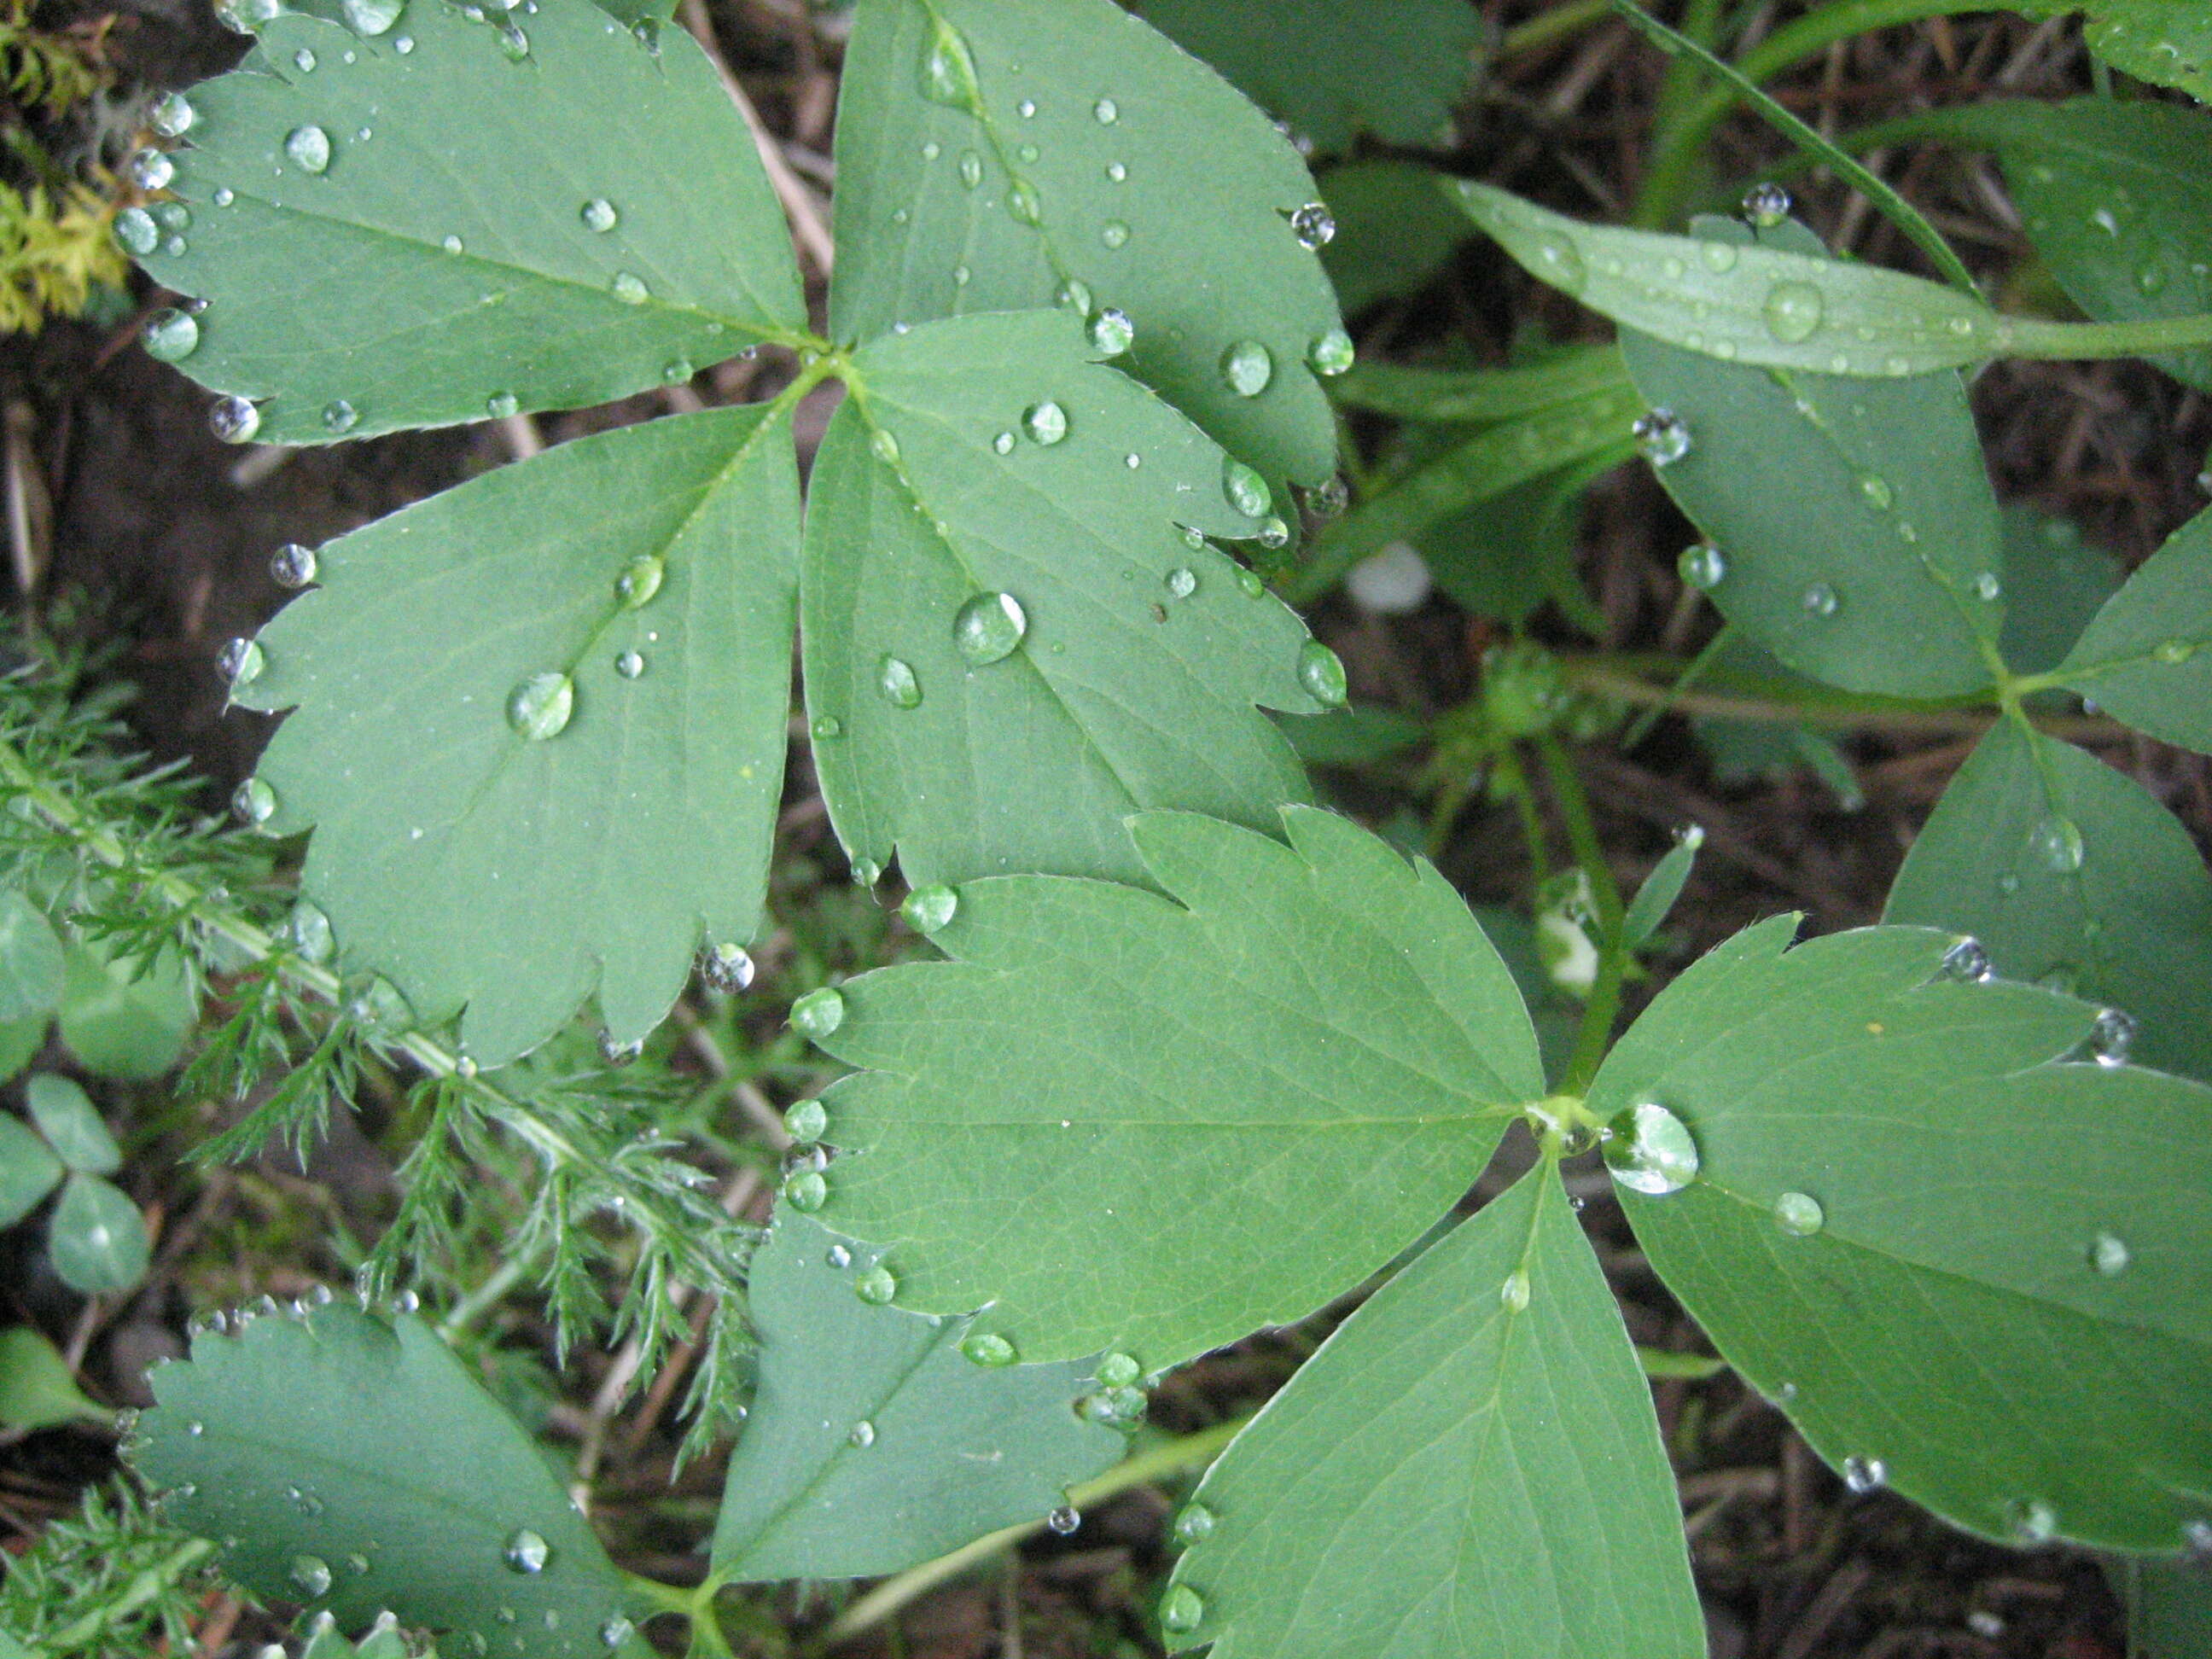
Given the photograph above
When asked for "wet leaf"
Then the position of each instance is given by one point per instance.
(97, 1238)
(2147, 657)
(30, 968)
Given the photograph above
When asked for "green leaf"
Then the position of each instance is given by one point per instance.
(1506, 556)
(1394, 231)
(489, 833)
(1930, 1238)
(418, 280)
(1158, 191)
(2054, 583)
(2166, 42)
(21, 1039)
(1354, 737)
(2147, 658)
(72, 1125)
(2169, 1607)
(1334, 71)
(1135, 1124)
(1135, 683)
(873, 1443)
(28, 1170)
(97, 1238)
(360, 1466)
(1749, 304)
(2117, 197)
(30, 961)
(1869, 569)
(1413, 393)
(37, 1389)
(2072, 875)
(1469, 1466)
(123, 1017)
(1648, 909)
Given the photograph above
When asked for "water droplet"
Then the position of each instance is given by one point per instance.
(1662, 435)
(614, 1052)
(1182, 1610)
(989, 627)
(1003, 443)
(310, 1575)
(630, 288)
(1114, 233)
(1965, 961)
(1651, 1151)
(640, 581)
(403, 44)
(1046, 422)
(1513, 1295)
(1865, 1474)
(877, 1287)
(233, 420)
(725, 969)
(542, 705)
(1794, 310)
(2151, 279)
(1765, 205)
(1314, 225)
(2056, 843)
(862, 1435)
(1026, 109)
(170, 335)
(2109, 1254)
(806, 1191)
(1116, 173)
(1702, 567)
(818, 1013)
(450, 243)
(135, 229)
(309, 149)
(1112, 332)
(1821, 600)
(1987, 587)
(895, 678)
(196, 1428)
(1194, 1524)
(867, 872)
(1559, 262)
(150, 170)
(373, 17)
(527, 1551)
(304, 61)
(1245, 489)
(2174, 652)
(1799, 1214)
(1182, 582)
(970, 169)
(1328, 499)
(948, 70)
(1064, 1520)
(988, 1349)
(927, 909)
(1874, 490)
(1322, 673)
(1118, 1370)
(1022, 203)
(629, 665)
(2035, 1522)
(884, 447)
(172, 116)
(617, 1631)
(598, 215)
(239, 663)
(502, 406)
(2196, 1538)
(1247, 366)
(1719, 257)
(2111, 1036)
(827, 726)
(1106, 111)
(1331, 352)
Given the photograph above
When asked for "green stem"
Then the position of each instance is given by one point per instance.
(1515, 777)
(1550, 26)
(154, 1582)
(1596, 1028)
(1641, 728)
(1170, 1457)
(2036, 337)
(1674, 158)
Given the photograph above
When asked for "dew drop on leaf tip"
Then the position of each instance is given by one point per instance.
(234, 420)
(1702, 567)
(806, 1190)
(807, 1121)
(1765, 205)
(1314, 225)
(1865, 1474)
(1111, 332)
(1321, 672)
(726, 969)
(1064, 1520)
(1967, 961)
(819, 1012)
(254, 802)
(1194, 1523)
(1182, 1610)
(239, 663)
(172, 116)
(2111, 1038)
(1662, 435)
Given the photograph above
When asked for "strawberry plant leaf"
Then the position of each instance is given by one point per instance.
(981, 459)
(364, 274)
(873, 1443)
(28, 1170)
(1878, 568)
(97, 1238)
(537, 723)
(2072, 875)
(1000, 156)
(358, 1467)
(2147, 656)
(1925, 1233)
(1470, 1465)
(1153, 1126)
(2054, 583)
(31, 967)
(1333, 71)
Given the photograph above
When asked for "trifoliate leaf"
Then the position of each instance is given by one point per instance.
(1469, 1466)
(466, 216)
(1009, 643)
(125, 1018)
(538, 725)
(358, 1467)
(873, 1443)
(1332, 71)
(1394, 230)
(97, 1238)
(1000, 156)
(28, 1170)
(30, 960)
(1914, 1223)
(1152, 1126)
(72, 1125)
(37, 1389)
(2054, 583)
(1879, 568)
(2147, 658)
(2071, 875)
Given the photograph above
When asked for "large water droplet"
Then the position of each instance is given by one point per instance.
(310, 1576)
(239, 663)
(1874, 490)
(1321, 673)
(807, 1121)
(818, 1013)
(989, 627)
(1022, 203)
(2056, 843)
(137, 231)
(1865, 1474)
(948, 68)
(1114, 233)
(878, 1286)
(1662, 435)
(233, 420)
(1794, 310)
(1765, 205)
(970, 168)
(1180, 582)
(1245, 489)
(170, 335)
(989, 1350)
(1513, 1294)
(1112, 332)
(895, 678)
(1559, 262)
(598, 215)
(1651, 1151)
(371, 17)
(1106, 111)
(2035, 1522)
(304, 61)
(1821, 600)
(2111, 1036)
(630, 288)
(1702, 567)
(1331, 352)
(1046, 422)
(527, 1551)
(927, 909)
(1182, 1610)
(309, 148)
(1064, 1520)
(150, 169)
(726, 969)
(806, 1190)
(541, 706)
(2109, 1254)
(1799, 1214)
(640, 581)
(502, 406)
(1247, 366)
(172, 116)
(1194, 1524)
(861, 1436)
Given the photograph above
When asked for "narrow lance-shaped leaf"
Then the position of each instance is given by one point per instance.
(1010, 644)
(1334, 71)
(1000, 155)
(1469, 1466)
(1876, 566)
(456, 219)
(537, 723)
(2072, 876)
(2147, 657)
(1938, 1243)
(358, 1467)
(872, 1442)
(1149, 1126)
